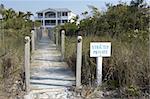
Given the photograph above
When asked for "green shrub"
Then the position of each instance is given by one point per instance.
(128, 64)
(133, 90)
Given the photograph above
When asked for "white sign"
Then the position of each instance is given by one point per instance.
(100, 49)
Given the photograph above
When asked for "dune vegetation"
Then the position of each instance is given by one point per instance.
(126, 27)
(14, 26)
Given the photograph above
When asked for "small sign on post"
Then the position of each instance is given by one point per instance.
(100, 50)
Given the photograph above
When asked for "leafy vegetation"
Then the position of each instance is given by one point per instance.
(126, 26)
(14, 27)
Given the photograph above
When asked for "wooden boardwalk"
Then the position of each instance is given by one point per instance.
(49, 75)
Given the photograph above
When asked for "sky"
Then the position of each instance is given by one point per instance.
(76, 6)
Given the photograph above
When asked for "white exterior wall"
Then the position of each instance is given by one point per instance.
(69, 17)
(72, 15)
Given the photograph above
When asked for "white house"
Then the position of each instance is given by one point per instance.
(51, 17)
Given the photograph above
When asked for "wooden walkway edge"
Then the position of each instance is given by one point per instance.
(49, 74)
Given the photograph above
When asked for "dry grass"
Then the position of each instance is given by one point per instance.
(11, 64)
(128, 65)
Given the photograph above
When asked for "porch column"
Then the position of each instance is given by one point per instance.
(44, 20)
(61, 17)
(56, 18)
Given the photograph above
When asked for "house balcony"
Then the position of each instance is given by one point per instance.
(51, 25)
(47, 18)
(38, 18)
(51, 18)
(64, 17)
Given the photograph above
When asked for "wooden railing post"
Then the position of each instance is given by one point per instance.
(62, 43)
(33, 40)
(38, 34)
(79, 62)
(149, 45)
(57, 37)
(27, 63)
(35, 31)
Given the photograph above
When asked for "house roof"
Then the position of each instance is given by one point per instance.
(55, 9)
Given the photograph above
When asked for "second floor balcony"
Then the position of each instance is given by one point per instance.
(50, 15)
(50, 22)
(40, 17)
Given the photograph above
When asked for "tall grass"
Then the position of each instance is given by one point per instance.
(11, 63)
(127, 66)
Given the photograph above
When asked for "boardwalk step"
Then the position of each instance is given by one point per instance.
(41, 63)
(50, 76)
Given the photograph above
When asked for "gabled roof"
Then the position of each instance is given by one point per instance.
(55, 9)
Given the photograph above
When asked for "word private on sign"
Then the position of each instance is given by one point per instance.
(100, 49)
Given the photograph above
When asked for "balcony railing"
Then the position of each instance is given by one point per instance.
(40, 17)
(50, 24)
(52, 16)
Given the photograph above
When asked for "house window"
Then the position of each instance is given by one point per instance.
(59, 14)
(50, 15)
(59, 21)
(64, 13)
(64, 21)
(40, 15)
(50, 22)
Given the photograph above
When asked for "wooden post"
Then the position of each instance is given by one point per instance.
(99, 71)
(79, 62)
(57, 37)
(40, 33)
(53, 36)
(149, 43)
(37, 34)
(27, 63)
(33, 40)
(35, 31)
(63, 44)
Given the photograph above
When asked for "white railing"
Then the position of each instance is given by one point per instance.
(53, 16)
(46, 24)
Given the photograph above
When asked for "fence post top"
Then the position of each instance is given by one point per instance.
(32, 31)
(63, 31)
(79, 37)
(27, 38)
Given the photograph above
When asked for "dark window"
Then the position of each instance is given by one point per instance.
(50, 22)
(59, 21)
(64, 21)
(65, 14)
(59, 14)
(40, 15)
(50, 15)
